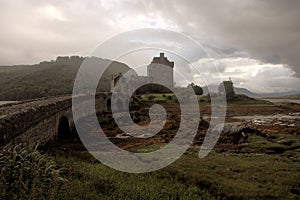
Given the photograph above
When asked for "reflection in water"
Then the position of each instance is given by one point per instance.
(6, 102)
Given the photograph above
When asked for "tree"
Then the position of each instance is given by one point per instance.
(198, 90)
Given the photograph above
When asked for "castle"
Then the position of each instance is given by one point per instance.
(159, 70)
(227, 88)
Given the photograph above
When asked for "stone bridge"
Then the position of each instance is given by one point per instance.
(38, 121)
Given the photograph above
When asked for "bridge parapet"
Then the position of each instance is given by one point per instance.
(39, 121)
(20, 120)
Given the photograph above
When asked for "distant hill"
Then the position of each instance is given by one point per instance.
(50, 78)
(264, 95)
(214, 88)
(246, 92)
(296, 96)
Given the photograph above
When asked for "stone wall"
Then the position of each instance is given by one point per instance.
(35, 122)
(14, 125)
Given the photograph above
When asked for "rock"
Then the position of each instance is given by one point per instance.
(286, 142)
(271, 137)
(236, 133)
(123, 135)
(232, 133)
(275, 150)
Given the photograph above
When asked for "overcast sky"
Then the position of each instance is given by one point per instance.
(256, 42)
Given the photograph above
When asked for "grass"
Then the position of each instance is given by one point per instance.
(204, 100)
(96, 181)
(158, 97)
(89, 179)
(280, 144)
(148, 148)
(28, 175)
(240, 99)
(252, 175)
(244, 176)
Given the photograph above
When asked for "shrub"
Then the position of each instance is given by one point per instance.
(151, 97)
(28, 175)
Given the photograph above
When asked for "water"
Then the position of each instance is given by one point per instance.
(278, 119)
(283, 100)
(6, 102)
(295, 115)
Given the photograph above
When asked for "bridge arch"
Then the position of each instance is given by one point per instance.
(64, 128)
(108, 104)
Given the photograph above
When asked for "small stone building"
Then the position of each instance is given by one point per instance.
(227, 88)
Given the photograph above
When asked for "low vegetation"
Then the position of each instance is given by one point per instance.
(204, 100)
(88, 180)
(28, 175)
(255, 172)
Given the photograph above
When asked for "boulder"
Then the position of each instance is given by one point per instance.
(232, 133)
(236, 132)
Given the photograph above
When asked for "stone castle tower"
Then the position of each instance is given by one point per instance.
(161, 69)
(227, 88)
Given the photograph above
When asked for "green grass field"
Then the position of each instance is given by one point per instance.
(256, 174)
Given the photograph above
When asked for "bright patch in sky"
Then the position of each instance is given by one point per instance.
(52, 13)
(250, 73)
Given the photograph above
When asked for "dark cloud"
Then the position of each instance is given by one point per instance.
(267, 29)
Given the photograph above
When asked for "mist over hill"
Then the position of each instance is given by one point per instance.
(50, 78)
(214, 89)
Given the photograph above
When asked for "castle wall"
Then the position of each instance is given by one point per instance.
(161, 73)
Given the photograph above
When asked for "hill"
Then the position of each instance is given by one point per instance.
(296, 96)
(50, 78)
